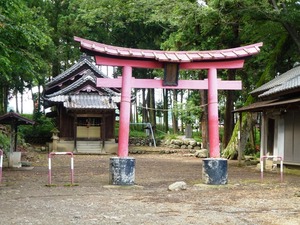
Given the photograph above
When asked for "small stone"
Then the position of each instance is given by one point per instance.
(197, 148)
(203, 153)
(193, 143)
(177, 186)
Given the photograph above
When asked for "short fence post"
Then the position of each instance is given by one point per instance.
(262, 166)
(50, 167)
(1, 164)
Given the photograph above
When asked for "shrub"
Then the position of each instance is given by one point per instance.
(4, 139)
(40, 132)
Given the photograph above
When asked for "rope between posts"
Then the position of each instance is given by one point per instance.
(165, 110)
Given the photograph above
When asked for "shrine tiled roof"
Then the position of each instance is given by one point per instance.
(285, 82)
(170, 56)
(86, 101)
(88, 76)
(15, 118)
(73, 68)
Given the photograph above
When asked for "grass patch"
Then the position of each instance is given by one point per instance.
(71, 185)
(292, 171)
(51, 185)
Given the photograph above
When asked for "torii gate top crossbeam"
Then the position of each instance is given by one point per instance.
(168, 56)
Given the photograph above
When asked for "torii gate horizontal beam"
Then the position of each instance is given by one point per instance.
(182, 84)
(151, 64)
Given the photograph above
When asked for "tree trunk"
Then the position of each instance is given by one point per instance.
(152, 114)
(22, 103)
(144, 109)
(16, 98)
(136, 107)
(231, 151)
(166, 112)
(181, 108)
(174, 117)
(204, 116)
(228, 120)
(3, 99)
(39, 98)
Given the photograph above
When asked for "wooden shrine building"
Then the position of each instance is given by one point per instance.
(83, 112)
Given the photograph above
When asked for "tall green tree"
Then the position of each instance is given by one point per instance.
(24, 41)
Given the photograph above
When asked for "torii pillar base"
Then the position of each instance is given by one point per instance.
(122, 171)
(214, 171)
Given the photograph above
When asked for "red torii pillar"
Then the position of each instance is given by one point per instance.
(122, 168)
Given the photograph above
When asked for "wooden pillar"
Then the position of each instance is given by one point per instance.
(213, 118)
(103, 131)
(125, 112)
(263, 135)
(240, 152)
(75, 132)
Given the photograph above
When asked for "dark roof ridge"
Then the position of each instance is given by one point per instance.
(277, 82)
(80, 63)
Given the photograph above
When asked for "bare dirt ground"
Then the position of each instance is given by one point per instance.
(25, 198)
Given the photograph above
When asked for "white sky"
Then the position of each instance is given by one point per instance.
(27, 102)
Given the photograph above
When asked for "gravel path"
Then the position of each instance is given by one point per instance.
(25, 198)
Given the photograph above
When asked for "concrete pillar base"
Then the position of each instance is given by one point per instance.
(214, 171)
(121, 171)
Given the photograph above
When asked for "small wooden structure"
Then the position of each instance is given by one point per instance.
(277, 107)
(14, 120)
(82, 111)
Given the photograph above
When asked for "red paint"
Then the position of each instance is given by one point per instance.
(100, 60)
(182, 84)
(232, 64)
(150, 64)
(125, 112)
(213, 121)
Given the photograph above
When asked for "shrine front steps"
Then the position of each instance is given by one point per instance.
(87, 147)
(95, 147)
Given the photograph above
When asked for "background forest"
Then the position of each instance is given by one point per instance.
(36, 44)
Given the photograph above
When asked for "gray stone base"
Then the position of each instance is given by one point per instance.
(214, 171)
(121, 171)
(15, 159)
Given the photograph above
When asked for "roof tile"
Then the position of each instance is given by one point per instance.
(172, 56)
(285, 81)
(86, 101)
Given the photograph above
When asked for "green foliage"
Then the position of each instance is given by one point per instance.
(24, 48)
(4, 141)
(171, 136)
(41, 129)
(188, 112)
(197, 136)
(137, 133)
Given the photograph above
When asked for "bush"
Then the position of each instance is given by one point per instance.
(40, 132)
(4, 139)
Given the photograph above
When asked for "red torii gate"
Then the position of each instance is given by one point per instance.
(175, 60)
